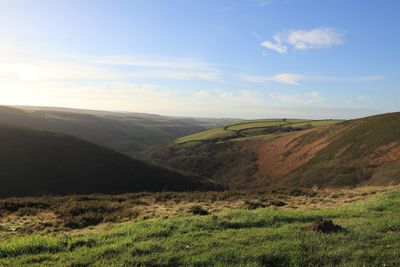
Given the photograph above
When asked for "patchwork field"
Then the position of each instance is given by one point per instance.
(232, 228)
(254, 130)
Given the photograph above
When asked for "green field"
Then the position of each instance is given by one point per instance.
(205, 135)
(252, 128)
(261, 237)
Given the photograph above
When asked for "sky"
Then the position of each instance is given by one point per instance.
(209, 58)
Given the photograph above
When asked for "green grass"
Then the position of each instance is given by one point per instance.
(258, 123)
(262, 237)
(316, 124)
(261, 137)
(249, 128)
(205, 135)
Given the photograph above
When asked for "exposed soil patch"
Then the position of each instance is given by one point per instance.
(385, 154)
(280, 156)
(325, 226)
(197, 210)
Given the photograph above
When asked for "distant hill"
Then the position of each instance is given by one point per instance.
(356, 152)
(40, 163)
(128, 133)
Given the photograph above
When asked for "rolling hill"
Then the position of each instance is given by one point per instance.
(328, 154)
(128, 133)
(43, 163)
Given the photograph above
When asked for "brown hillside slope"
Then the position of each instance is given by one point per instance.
(243, 164)
(355, 152)
(366, 152)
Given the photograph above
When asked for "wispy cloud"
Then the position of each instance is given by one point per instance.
(275, 45)
(316, 38)
(17, 66)
(151, 62)
(367, 78)
(177, 69)
(295, 79)
(321, 37)
(242, 95)
(286, 78)
(308, 98)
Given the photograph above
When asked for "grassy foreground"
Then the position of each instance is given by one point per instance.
(261, 237)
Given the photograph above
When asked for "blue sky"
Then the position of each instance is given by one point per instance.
(219, 58)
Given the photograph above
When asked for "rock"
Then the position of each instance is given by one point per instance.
(325, 226)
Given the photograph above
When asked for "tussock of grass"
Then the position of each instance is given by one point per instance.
(262, 237)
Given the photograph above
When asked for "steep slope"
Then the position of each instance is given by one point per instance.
(127, 133)
(350, 153)
(37, 163)
(365, 151)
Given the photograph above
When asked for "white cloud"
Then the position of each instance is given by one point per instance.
(286, 78)
(172, 63)
(20, 64)
(281, 49)
(298, 99)
(176, 69)
(316, 38)
(321, 37)
(176, 75)
(275, 45)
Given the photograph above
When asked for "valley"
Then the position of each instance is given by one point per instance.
(125, 132)
(323, 154)
(246, 193)
(187, 133)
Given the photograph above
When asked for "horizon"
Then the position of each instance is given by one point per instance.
(83, 110)
(246, 59)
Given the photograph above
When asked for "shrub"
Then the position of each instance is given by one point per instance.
(27, 211)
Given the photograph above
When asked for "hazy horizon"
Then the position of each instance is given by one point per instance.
(238, 59)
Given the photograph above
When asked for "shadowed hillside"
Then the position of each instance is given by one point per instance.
(127, 133)
(37, 163)
(350, 153)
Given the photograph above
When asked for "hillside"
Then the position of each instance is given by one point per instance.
(349, 153)
(37, 163)
(128, 133)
